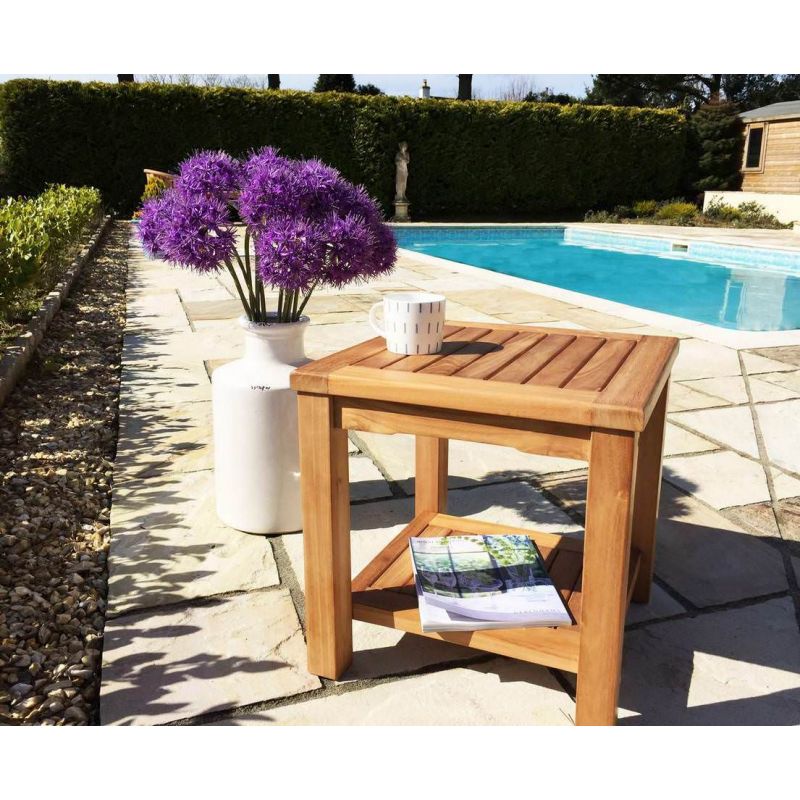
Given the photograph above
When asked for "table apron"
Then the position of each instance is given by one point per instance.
(556, 439)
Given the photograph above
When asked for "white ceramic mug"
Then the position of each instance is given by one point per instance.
(413, 322)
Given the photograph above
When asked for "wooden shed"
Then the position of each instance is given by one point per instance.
(771, 160)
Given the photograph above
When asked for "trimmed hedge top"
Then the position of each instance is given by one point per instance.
(475, 158)
(37, 236)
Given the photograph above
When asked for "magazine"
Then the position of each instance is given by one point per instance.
(483, 582)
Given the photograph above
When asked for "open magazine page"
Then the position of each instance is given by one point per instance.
(500, 580)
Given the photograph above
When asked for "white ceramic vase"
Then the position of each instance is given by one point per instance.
(256, 460)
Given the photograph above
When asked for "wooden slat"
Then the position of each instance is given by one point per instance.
(552, 647)
(386, 359)
(543, 539)
(638, 383)
(565, 571)
(488, 365)
(528, 364)
(480, 348)
(399, 572)
(567, 363)
(576, 600)
(390, 553)
(602, 366)
(313, 377)
(451, 344)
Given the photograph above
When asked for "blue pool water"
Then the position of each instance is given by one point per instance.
(735, 287)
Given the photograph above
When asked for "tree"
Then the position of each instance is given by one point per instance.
(693, 91)
(465, 87)
(368, 88)
(715, 142)
(660, 91)
(273, 81)
(335, 83)
(549, 96)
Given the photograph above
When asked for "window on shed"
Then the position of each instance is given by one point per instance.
(755, 140)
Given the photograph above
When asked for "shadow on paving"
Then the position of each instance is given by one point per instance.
(673, 668)
(149, 683)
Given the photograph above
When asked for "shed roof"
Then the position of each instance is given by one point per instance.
(787, 110)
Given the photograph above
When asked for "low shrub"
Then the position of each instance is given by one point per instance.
(677, 211)
(601, 216)
(644, 208)
(153, 187)
(723, 212)
(754, 215)
(37, 238)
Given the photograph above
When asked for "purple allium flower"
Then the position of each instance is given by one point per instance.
(155, 218)
(309, 225)
(209, 173)
(189, 230)
(289, 252)
(335, 226)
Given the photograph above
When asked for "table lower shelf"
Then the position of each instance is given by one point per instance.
(384, 594)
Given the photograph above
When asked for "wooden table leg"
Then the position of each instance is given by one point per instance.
(612, 465)
(646, 496)
(326, 537)
(430, 484)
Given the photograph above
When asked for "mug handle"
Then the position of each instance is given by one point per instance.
(373, 318)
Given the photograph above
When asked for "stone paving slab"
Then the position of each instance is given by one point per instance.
(762, 517)
(366, 481)
(734, 667)
(198, 659)
(780, 428)
(661, 605)
(704, 556)
(731, 426)
(678, 441)
(228, 308)
(789, 354)
(500, 692)
(683, 398)
(148, 384)
(734, 389)
(153, 440)
(787, 380)
(710, 560)
(701, 359)
(756, 364)
(724, 479)
(168, 546)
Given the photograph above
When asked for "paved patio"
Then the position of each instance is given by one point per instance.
(206, 624)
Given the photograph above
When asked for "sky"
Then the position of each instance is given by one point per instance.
(484, 86)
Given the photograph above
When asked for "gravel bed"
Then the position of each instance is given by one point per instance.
(58, 433)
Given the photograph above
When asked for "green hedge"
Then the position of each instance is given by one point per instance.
(472, 158)
(37, 238)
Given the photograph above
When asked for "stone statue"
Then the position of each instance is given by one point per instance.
(401, 176)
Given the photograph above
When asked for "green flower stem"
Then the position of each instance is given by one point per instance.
(306, 299)
(247, 308)
(251, 296)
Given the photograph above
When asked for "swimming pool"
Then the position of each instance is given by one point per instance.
(729, 286)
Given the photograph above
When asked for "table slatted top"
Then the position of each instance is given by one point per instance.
(561, 375)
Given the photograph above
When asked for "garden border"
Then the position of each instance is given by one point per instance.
(17, 355)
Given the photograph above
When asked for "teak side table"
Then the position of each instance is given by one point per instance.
(599, 397)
